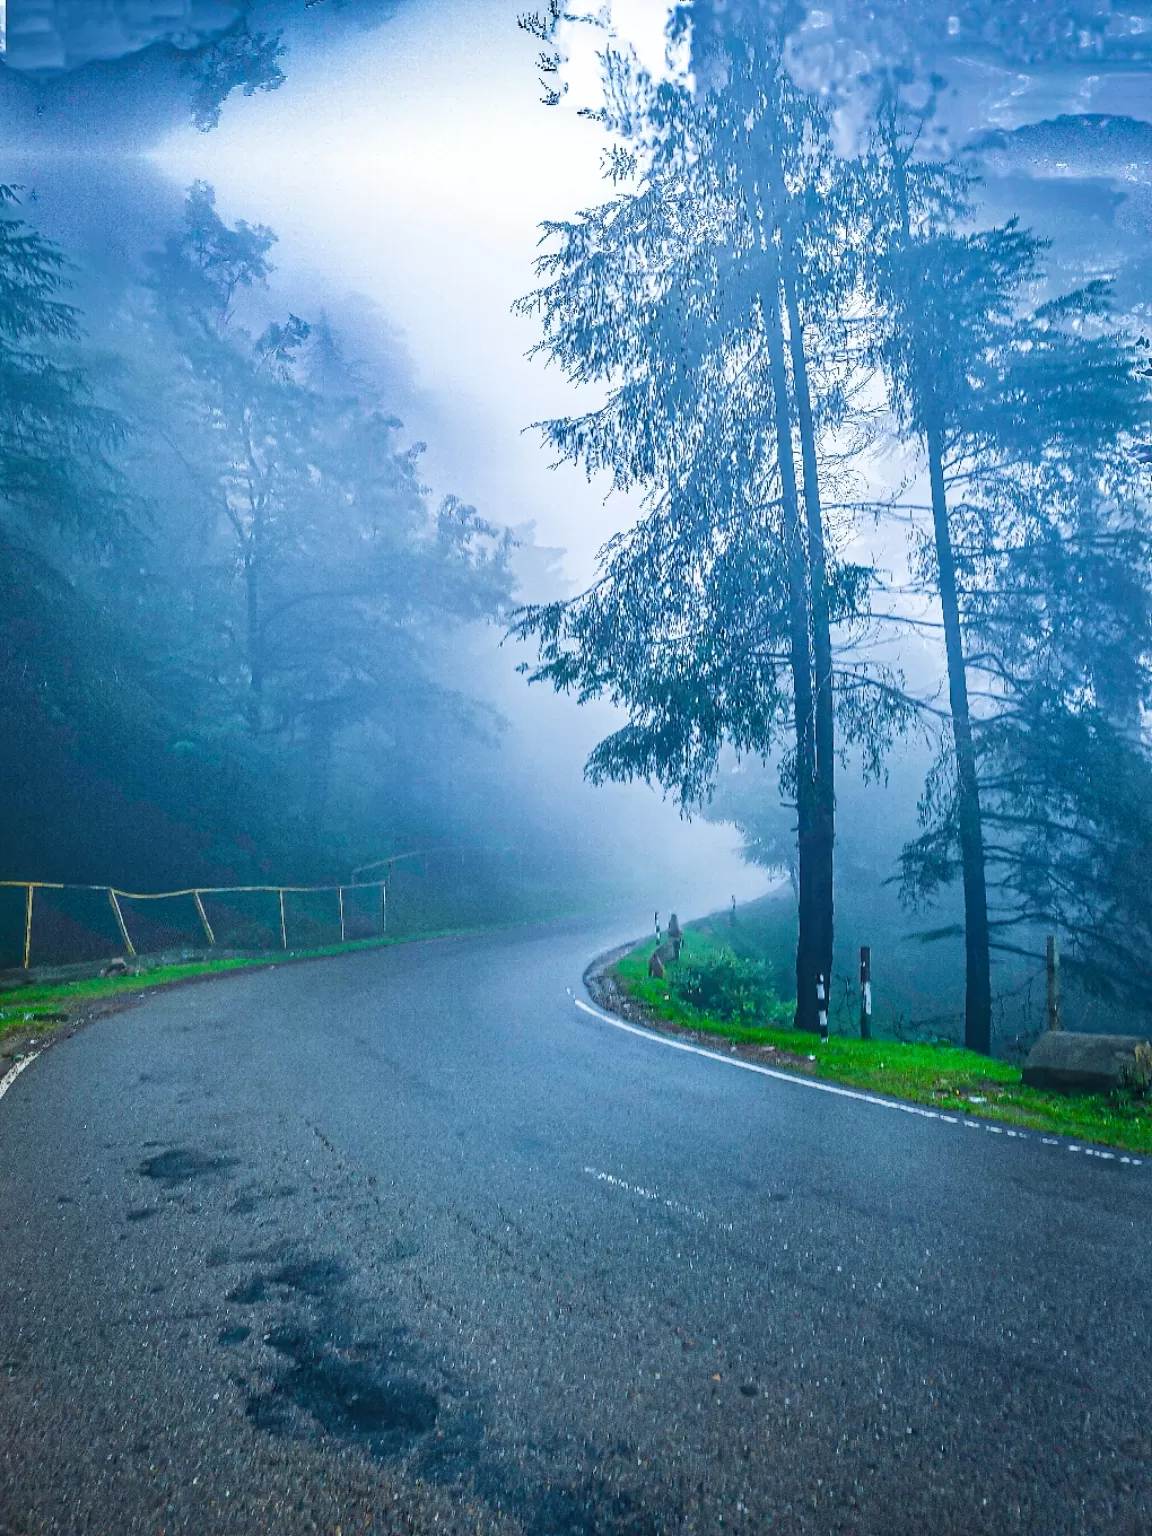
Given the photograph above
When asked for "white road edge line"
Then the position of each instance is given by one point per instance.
(14, 1072)
(807, 1082)
(751, 1066)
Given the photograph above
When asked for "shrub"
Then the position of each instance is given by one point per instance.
(733, 990)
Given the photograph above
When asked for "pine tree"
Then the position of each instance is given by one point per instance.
(55, 440)
(1019, 415)
(338, 577)
(1054, 541)
(946, 296)
(696, 298)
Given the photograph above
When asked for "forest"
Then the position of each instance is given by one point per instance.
(575, 767)
(805, 335)
(230, 576)
(891, 447)
(244, 640)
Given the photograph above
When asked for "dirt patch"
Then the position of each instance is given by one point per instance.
(48, 1029)
(605, 989)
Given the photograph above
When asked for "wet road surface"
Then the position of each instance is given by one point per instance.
(407, 1241)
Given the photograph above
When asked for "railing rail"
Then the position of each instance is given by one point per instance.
(117, 896)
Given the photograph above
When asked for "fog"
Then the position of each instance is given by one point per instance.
(383, 168)
(575, 766)
(402, 159)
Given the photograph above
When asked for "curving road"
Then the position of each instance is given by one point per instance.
(408, 1241)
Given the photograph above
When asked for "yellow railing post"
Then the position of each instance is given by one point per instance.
(203, 917)
(128, 945)
(28, 928)
(30, 887)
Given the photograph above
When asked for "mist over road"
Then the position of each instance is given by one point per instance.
(406, 1236)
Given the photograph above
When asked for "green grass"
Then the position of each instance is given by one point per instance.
(944, 1076)
(45, 1005)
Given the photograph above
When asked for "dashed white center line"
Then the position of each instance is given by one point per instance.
(651, 1194)
(799, 1081)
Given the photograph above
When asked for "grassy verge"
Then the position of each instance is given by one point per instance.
(944, 1076)
(41, 1007)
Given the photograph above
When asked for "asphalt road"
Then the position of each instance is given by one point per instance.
(406, 1240)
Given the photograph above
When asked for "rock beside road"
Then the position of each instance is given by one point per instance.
(1073, 1063)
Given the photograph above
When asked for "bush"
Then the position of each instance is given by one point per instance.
(730, 989)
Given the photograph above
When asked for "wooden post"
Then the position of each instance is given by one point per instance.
(822, 1007)
(865, 992)
(120, 923)
(203, 917)
(1053, 969)
(28, 928)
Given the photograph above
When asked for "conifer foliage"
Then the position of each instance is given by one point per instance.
(763, 306)
(54, 438)
(266, 590)
(705, 298)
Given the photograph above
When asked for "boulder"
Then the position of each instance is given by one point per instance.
(1074, 1063)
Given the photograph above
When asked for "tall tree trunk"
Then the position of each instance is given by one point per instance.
(821, 836)
(824, 779)
(807, 954)
(977, 956)
(978, 971)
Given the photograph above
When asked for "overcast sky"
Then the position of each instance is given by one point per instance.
(413, 165)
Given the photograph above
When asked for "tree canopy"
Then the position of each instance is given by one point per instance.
(55, 440)
(761, 308)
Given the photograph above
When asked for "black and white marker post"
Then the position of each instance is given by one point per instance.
(865, 992)
(822, 1007)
